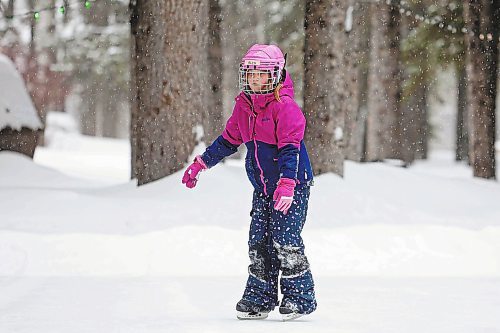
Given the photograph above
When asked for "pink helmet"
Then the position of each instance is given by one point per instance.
(259, 59)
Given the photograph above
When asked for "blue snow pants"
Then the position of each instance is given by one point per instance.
(275, 244)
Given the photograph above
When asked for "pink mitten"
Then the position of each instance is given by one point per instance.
(191, 173)
(284, 194)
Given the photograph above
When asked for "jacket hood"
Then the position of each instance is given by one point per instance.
(287, 89)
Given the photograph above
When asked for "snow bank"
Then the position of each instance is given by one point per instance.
(16, 107)
(379, 220)
(376, 251)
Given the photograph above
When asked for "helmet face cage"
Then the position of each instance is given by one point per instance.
(249, 69)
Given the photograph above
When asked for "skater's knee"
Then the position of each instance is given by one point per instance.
(293, 260)
(259, 261)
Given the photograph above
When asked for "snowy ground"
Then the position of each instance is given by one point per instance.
(199, 304)
(392, 250)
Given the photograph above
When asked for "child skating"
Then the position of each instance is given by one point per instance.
(271, 125)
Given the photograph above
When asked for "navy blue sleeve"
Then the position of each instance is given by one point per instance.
(219, 149)
(288, 161)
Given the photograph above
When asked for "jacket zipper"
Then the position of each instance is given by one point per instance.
(256, 150)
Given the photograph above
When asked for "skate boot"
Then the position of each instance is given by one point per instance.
(289, 311)
(246, 310)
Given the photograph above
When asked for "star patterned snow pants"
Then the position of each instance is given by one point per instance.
(275, 244)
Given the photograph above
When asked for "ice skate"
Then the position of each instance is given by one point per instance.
(289, 312)
(246, 310)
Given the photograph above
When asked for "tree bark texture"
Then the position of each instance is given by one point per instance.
(170, 84)
(414, 126)
(413, 107)
(462, 144)
(327, 90)
(356, 58)
(482, 19)
(384, 136)
(214, 119)
(421, 126)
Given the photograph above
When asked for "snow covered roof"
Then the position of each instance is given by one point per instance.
(16, 107)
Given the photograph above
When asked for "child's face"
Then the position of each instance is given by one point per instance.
(258, 80)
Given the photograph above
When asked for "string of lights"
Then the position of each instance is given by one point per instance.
(36, 14)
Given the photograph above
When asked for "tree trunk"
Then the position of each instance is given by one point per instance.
(88, 114)
(421, 149)
(9, 11)
(67, 11)
(326, 87)
(363, 82)
(98, 94)
(171, 83)
(413, 123)
(213, 123)
(384, 84)
(481, 19)
(31, 7)
(462, 144)
(394, 88)
(134, 88)
(358, 55)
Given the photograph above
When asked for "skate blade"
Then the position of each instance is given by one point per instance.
(251, 315)
(291, 316)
